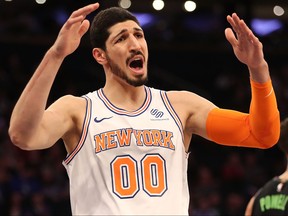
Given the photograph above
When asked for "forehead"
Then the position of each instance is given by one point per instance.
(128, 25)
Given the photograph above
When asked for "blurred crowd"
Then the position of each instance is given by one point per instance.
(221, 179)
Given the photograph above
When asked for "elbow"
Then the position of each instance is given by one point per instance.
(17, 139)
(270, 141)
(269, 138)
(264, 140)
(13, 136)
(267, 145)
(270, 135)
(273, 134)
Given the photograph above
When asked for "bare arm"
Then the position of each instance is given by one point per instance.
(192, 110)
(248, 211)
(31, 126)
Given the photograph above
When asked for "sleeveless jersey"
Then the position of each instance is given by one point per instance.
(129, 162)
(271, 199)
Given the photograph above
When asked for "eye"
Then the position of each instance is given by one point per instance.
(139, 35)
(119, 40)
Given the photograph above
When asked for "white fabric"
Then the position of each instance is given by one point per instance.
(129, 163)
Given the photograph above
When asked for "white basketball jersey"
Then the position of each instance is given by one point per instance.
(129, 163)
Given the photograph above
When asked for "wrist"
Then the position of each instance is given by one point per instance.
(260, 74)
(54, 54)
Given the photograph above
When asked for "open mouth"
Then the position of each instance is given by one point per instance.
(136, 63)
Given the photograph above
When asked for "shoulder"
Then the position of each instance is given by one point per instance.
(179, 96)
(269, 187)
(192, 109)
(187, 98)
(69, 106)
(70, 101)
(69, 112)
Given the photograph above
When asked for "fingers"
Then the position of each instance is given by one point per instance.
(230, 36)
(80, 14)
(84, 11)
(234, 23)
(243, 32)
(84, 27)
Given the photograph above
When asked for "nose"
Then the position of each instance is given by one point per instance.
(134, 44)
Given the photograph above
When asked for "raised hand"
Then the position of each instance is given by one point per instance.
(72, 31)
(247, 47)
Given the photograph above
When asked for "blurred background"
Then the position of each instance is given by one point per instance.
(188, 51)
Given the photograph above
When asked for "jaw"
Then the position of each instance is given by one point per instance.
(136, 78)
(130, 78)
(133, 72)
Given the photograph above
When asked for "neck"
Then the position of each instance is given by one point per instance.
(126, 96)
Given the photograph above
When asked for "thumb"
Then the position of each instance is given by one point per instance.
(84, 27)
(229, 34)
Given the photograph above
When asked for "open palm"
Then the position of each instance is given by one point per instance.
(246, 46)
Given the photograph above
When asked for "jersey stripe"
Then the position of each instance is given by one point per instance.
(120, 111)
(84, 131)
(172, 112)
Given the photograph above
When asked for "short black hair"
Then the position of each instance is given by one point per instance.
(283, 140)
(105, 19)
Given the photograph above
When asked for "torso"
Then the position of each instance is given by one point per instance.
(144, 148)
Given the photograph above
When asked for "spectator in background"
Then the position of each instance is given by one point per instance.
(272, 198)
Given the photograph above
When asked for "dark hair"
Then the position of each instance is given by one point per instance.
(283, 140)
(103, 21)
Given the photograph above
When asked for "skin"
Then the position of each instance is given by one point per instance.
(32, 126)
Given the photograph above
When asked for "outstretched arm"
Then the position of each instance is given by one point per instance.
(31, 127)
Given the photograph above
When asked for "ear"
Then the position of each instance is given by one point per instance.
(99, 55)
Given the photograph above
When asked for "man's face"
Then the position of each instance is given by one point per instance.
(127, 53)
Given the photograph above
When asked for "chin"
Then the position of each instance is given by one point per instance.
(138, 82)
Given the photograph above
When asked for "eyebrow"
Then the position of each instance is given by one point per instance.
(125, 30)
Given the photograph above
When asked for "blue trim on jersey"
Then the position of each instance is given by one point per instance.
(119, 111)
(76, 149)
(180, 127)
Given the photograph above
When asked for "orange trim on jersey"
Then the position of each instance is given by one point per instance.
(84, 132)
(259, 129)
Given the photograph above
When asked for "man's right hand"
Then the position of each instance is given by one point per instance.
(72, 31)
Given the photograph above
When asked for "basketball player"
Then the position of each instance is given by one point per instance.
(272, 198)
(127, 143)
